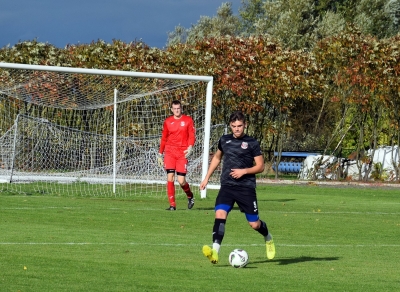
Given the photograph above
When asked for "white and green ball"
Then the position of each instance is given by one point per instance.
(238, 258)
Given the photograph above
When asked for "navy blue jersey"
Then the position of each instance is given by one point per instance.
(238, 153)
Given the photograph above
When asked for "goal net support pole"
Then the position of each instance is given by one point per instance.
(207, 125)
(14, 147)
(115, 142)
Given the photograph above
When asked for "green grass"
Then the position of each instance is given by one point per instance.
(327, 239)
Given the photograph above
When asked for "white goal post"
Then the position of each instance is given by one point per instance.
(92, 129)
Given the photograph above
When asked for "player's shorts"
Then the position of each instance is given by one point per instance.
(245, 198)
(174, 158)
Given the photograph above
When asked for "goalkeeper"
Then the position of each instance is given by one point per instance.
(177, 140)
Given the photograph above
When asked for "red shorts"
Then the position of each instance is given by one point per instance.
(174, 158)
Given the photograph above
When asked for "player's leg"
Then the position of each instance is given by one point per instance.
(270, 245)
(247, 203)
(223, 205)
(217, 236)
(186, 188)
(181, 170)
(170, 168)
(171, 189)
(261, 227)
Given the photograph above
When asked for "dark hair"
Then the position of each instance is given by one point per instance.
(237, 116)
(175, 102)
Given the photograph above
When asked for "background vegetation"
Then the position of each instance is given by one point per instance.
(310, 75)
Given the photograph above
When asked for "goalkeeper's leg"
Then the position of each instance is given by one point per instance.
(171, 189)
(185, 186)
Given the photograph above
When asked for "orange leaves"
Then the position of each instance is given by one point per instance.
(335, 99)
(361, 67)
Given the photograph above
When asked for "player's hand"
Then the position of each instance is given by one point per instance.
(188, 151)
(237, 173)
(203, 184)
(160, 160)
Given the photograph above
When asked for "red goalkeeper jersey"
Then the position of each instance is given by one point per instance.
(178, 132)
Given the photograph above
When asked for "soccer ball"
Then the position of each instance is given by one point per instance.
(238, 258)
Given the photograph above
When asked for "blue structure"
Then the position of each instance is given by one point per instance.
(292, 165)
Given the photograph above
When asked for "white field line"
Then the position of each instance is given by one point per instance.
(184, 244)
(162, 210)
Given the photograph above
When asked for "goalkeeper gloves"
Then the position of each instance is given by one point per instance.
(188, 151)
(160, 160)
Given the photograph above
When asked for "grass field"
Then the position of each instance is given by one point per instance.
(327, 239)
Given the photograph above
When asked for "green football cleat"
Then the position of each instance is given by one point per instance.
(270, 249)
(211, 254)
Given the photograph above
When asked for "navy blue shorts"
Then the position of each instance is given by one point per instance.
(245, 198)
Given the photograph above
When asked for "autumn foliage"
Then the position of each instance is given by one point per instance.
(342, 95)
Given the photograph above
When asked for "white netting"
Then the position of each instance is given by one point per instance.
(57, 131)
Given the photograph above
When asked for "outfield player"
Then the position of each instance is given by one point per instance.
(177, 141)
(242, 160)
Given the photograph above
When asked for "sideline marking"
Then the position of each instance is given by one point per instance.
(162, 210)
(184, 244)
(153, 209)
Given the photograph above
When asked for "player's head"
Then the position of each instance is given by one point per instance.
(237, 123)
(176, 108)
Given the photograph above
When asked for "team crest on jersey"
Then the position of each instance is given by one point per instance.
(244, 145)
(182, 124)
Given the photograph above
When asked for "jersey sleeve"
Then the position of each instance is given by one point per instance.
(220, 145)
(191, 132)
(256, 149)
(164, 137)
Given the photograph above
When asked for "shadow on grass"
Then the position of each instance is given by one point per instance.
(237, 208)
(212, 208)
(289, 261)
(280, 200)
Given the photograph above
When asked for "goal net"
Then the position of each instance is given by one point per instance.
(96, 132)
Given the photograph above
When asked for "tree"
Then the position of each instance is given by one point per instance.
(300, 24)
(250, 12)
(178, 36)
(391, 83)
(223, 24)
(379, 18)
(361, 70)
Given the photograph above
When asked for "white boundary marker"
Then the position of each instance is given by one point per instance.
(153, 209)
(184, 244)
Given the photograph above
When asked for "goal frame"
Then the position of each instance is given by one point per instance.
(209, 89)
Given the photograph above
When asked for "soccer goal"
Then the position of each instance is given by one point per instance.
(96, 132)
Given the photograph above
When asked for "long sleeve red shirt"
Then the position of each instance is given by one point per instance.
(178, 132)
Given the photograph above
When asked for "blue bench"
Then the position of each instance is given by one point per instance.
(291, 166)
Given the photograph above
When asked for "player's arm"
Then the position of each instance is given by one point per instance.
(191, 138)
(164, 137)
(191, 133)
(215, 161)
(258, 167)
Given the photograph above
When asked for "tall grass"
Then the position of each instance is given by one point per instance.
(327, 239)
